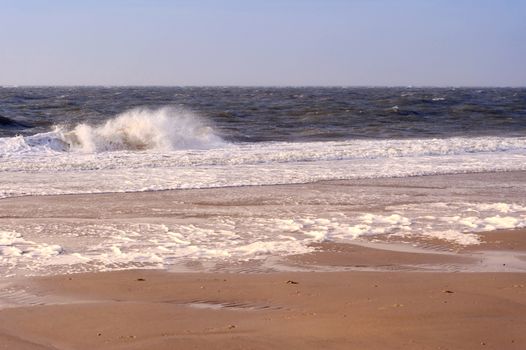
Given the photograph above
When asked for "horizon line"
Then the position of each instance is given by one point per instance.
(262, 86)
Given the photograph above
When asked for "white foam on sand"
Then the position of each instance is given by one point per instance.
(49, 248)
(94, 247)
(16, 252)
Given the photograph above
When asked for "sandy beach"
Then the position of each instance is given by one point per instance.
(349, 310)
(377, 292)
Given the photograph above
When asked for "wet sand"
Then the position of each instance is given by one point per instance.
(72, 221)
(425, 294)
(408, 307)
(339, 310)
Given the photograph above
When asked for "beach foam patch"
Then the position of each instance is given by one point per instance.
(17, 252)
(92, 246)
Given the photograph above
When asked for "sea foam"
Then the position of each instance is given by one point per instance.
(111, 245)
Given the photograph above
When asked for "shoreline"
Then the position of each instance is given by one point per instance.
(382, 291)
(316, 182)
(195, 230)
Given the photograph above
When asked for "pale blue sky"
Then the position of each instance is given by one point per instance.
(271, 42)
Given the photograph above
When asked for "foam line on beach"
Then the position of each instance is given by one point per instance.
(89, 246)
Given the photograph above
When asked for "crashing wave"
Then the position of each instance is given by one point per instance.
(135, 130)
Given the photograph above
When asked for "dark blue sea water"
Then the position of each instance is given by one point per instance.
(281, 114)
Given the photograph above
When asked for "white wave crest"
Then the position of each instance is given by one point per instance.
(139, 129)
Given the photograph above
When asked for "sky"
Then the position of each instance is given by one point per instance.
(263, 42)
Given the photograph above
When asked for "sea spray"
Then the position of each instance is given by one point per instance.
(139, 129)
(145, 129)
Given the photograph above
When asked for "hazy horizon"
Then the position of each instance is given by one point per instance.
(270, 86)
(290, 43)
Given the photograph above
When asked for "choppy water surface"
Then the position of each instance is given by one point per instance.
(281, 114)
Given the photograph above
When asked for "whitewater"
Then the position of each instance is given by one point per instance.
(166, 148)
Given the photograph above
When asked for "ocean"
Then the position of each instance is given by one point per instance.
(137, 139)
(57, 140)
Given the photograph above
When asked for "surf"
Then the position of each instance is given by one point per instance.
(139, 129)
